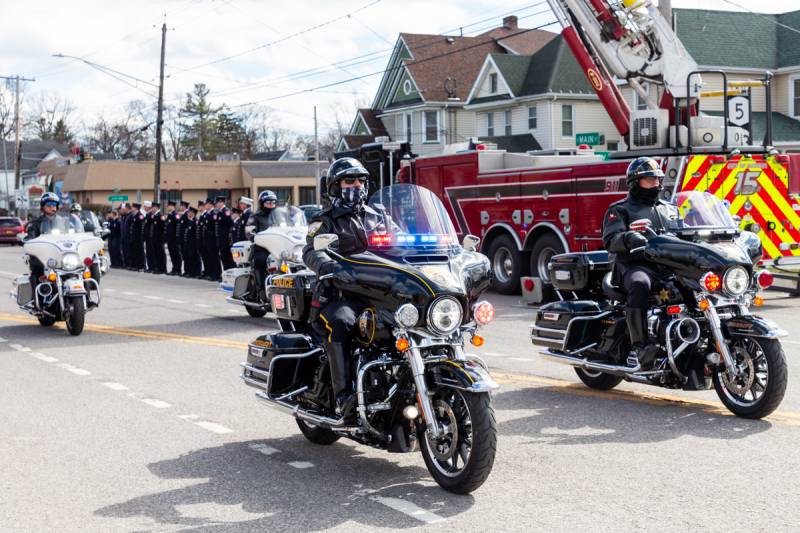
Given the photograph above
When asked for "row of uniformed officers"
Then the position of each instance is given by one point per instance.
(198, 239)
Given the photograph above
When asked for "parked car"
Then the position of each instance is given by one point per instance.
(10, 227)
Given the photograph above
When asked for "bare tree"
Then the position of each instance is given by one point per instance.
(49, 118)
(6, 111)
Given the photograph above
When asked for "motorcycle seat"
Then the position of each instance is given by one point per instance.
(612, 291)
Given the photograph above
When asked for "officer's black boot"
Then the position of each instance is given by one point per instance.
(640, 356)
(340, 373)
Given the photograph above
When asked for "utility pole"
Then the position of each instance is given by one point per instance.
(316, 154)
(17, 146)
(159, 118)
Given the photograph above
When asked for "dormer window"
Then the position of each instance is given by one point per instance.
(493, 82)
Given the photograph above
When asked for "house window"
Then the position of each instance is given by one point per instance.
(407, 124)
(613, 146)
(567, 120)
(308, 195)
(532, 118)
(431, 126)
(796, 97)
(490, 124)
(507, 114)
(213, 193)
(493, 82)
(170, 196)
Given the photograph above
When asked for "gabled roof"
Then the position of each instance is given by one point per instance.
(552, 69)
(356, 141)
(375, 125)
(737, 39)
(527, 43)
(32, 153)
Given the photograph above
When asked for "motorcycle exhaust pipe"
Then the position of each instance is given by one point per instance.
(294, 410)
(596, 366)
(44, 290)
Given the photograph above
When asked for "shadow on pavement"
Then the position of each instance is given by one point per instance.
(563, 418)
(274, 496)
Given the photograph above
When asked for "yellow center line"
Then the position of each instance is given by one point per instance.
(785, 418)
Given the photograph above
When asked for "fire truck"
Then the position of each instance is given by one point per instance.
(528, 207)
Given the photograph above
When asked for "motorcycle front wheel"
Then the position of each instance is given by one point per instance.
(76, 315)
(759, 388)
(461, 459)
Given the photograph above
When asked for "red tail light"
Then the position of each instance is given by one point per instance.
(528, 284)
(674, 309)
(765, 279)
(88, 261)
(710, 282)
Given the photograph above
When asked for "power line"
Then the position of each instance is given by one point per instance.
(341, 82)
(282, 39)
(763, 16)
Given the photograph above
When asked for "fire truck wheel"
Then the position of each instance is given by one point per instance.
(543, 251)
(506, 265)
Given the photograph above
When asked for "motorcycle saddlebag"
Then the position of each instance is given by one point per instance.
(578, 271)
(234, 278)
(566, 325)
(291, 354)
(290, 295)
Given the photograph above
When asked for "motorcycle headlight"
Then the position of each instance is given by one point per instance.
(444, 315)
(70, 261)
(736, 281)
(407, 315)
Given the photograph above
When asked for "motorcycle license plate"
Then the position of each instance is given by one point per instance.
(562, 275)
(550, 316)
(8, 232)
(278, 302)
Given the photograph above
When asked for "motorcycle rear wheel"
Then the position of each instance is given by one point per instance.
(316, 434)
(597, 380)
(255, 312)
(764, 380)
(468, 419)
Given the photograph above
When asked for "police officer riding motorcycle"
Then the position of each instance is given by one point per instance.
(626, 246)
(669, 303)
(259, 221)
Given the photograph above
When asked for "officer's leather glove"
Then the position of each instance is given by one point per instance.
(634, 239)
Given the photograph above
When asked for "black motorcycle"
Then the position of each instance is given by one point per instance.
(418, 291)
(698, 316)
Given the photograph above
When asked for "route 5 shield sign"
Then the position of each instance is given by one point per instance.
(739, 110)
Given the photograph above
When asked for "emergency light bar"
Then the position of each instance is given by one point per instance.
(410, 239)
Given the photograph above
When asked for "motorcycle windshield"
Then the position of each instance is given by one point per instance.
(287, 216)
(61, 225)
(406, 218)
(701, 211)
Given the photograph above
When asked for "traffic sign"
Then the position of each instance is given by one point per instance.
(591, 138)
(118, 198)
(739, 110)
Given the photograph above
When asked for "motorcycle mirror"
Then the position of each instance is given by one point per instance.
(325, 241)
(21, 236)
(471, 242)
(248, 230)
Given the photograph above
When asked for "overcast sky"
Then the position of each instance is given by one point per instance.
(244, 50)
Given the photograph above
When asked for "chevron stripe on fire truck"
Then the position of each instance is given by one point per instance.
(757, 191)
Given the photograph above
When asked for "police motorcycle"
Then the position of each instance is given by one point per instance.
(69, 287)
(284, 240)
(699, 317)
(416, 388)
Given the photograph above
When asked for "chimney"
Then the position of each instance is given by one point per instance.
(510, 22)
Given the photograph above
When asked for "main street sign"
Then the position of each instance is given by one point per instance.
(592, 138)
(118, 198)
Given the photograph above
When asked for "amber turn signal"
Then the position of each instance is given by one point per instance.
(703, 304)
(284, 268)
(87, 274)
(758, 301)
(477, 340)
(51, 276)
(402, 344)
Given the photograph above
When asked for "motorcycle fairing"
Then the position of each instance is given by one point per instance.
(754, 326)
(468, 375)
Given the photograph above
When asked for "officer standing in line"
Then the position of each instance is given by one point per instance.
(174, 238)
(135, 238)
(147, 238)
(222, 233)
(184, 215)
(210, 241)
(114, 239)
(237, 226)
(123, 234)
(202, 224)
(158, 230)
(246, 208)
(191, 259)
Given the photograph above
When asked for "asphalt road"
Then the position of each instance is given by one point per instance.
(142, 424)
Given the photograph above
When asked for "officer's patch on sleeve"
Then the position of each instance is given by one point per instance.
(313, 228)
(612, 217)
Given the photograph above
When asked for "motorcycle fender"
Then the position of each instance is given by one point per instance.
(74, 287)
(467, 375)
(754, 326)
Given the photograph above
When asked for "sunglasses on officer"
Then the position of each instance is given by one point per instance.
(51, 203)
(350, 180)
(651, 179)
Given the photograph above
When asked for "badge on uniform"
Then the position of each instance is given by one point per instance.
(215, 217)
(612, 217)
(141, 217)
(163, 218)
(313, 228)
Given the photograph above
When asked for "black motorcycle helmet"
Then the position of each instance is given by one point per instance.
(266, 196)
(342, 168)
(642, 167)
